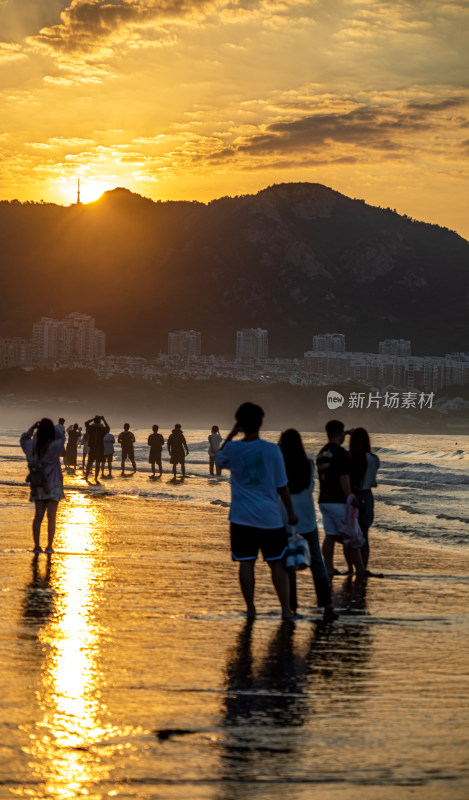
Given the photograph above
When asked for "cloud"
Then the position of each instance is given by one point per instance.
(20, 18)
(85, 24)
(89, 24)
(10, 52)
(382, 129)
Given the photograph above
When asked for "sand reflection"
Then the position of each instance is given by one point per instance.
(73, 723)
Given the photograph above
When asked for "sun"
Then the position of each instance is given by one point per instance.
(91, 190)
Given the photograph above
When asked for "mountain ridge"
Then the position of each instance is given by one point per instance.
(297, 259)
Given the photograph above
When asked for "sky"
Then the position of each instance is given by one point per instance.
(193, 100)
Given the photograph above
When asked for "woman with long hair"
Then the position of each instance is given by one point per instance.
(363, 468)
(43, 445)
(300, 473)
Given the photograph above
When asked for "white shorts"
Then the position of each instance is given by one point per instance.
(333, 515)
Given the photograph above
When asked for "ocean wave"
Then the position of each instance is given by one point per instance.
(464, 520)
(410, 509)
(394, 452)
(436, 534)
(432, 479)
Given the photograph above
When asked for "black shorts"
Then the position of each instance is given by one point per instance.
(246, 541)
(128, 452)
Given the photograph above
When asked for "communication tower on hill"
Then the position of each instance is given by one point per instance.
(78, 193)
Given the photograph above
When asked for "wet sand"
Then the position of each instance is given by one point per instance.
(128, 669)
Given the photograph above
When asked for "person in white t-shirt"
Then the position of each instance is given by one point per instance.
(258, 477)
(214, 441)
(108, 444)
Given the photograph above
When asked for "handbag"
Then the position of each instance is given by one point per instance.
(298, 554)
(350, 532)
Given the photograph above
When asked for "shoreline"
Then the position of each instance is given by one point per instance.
(140, 628)
(196, 403)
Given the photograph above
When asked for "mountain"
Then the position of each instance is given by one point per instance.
(297, 259)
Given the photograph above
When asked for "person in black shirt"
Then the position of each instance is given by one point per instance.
(126, 439)
(333, 467)
(178, 449)
(155, 443)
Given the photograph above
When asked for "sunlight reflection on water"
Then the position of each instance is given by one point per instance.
(73, 715)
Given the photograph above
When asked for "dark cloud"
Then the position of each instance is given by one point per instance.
(437, 105)
(86, 24)
(369, 128)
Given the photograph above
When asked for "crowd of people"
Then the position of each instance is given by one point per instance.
(98, 448)
(271, 492)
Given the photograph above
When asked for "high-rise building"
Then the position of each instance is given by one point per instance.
(79, 337)
(74, 340)
(252, 345)
(184, 343)
(14, 352)
(47, 340)
(329, 343)
(395, 347)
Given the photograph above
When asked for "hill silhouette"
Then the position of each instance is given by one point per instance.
(296, 259)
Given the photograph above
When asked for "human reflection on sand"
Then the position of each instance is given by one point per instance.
(273, 704)
(64, 760)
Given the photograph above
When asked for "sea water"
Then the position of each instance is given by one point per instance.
(128, 669)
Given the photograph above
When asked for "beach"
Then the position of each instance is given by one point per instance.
(129, 670)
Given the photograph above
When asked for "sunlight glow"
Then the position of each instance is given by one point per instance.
(74, 717)
(93, 189)
(90, 189)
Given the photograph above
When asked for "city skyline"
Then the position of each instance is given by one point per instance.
(76, 337)
(75, 342)
(228, 98)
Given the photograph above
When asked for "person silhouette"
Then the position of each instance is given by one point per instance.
(96, 429)
(300, 473)
(43, 453)
(258, 478)
(214, 441)
(178, 449)
(155, 443)
(71, 450)
(108, 446)
(363, 468)
(127, 439)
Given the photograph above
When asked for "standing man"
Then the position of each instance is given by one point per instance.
(258, 477)
(126, 439)
(155, 443)
(96, 429)
(334, 481)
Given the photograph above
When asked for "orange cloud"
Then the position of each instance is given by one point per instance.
(85, 24)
